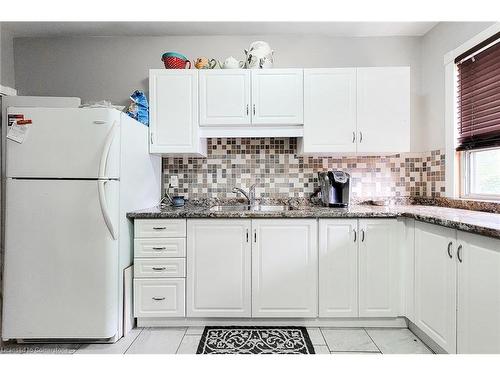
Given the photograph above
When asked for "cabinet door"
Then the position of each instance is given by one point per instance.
(383, 102)
(174, 111)
(225, 97)
(277, 96)
(478, 295)
(329, 110)
(379, 283)
(338, 268)
(218, 268)
(284, 268)
(435, 283)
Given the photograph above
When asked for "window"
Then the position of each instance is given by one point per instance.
(478, 115)
(481, 171)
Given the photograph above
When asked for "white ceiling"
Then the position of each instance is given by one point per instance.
(339, 29)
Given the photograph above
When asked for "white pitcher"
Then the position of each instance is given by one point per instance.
(232, 63)
(259, 56)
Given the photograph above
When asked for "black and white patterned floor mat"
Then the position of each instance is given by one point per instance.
(255, 340)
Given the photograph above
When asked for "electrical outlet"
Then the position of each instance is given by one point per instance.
(174, 181)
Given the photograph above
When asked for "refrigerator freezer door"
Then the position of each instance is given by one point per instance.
(61, 262)
(66, 143)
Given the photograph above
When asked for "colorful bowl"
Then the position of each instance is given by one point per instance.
(174, 60)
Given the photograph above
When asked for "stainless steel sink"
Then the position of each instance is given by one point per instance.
(241, 207)
(270, 208)
(225, 208)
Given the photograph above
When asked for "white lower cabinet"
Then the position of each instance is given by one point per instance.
(358, 268)
(159, 268)
(457, 289)
(436, 283)
(338, 268)
(159, 298)
(270, 268)
(379, 281)
(168, 267)
(478, 327)
(218, 268)
(284, 268)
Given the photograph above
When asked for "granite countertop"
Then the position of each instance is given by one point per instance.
(483, 223)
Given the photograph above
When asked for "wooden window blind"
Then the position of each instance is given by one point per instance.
(479, 96)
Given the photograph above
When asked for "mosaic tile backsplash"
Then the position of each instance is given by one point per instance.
(273, 163)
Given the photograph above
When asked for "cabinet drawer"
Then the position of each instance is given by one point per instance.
(160, 228)
(159, 298)
(158, 267)
(160, 247)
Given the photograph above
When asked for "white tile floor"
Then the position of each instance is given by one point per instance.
(185, 341)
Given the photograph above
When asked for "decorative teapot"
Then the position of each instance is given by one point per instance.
(259, 56)
(205, 63)
(232, 63)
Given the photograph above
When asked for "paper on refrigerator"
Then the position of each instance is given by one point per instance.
(19, 130)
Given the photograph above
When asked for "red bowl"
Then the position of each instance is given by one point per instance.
(175, 61)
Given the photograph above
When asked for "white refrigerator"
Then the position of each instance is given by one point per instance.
(69, 185)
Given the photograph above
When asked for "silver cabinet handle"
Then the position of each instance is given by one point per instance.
(353, 137)
(362, 235)
(247, 109)
(159, 228)
(158, 298)
(459, 253)
(360, 137)
(254, 109)
(449, 250)
(355, 235)
(159, 248)
(151, 136)
(159, 268)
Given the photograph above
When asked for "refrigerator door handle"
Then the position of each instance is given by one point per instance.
(105, 151)
(104, 208)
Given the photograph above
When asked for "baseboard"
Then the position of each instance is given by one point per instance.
(399, 322)
(424, 337)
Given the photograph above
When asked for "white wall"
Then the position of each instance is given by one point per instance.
(443, 38)
(7, 77)
(112, 67)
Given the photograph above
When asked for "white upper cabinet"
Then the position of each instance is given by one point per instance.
(338, 268)
(218, 268)
(436, 284)
(363, 110)
(174, 112)
(332, 111)
(379, 282)
(225, 97)
(479, 294)
(284, 268)
(277, 96)
(383, 109)
(329, 111)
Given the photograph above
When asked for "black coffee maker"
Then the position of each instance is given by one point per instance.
(335, 188)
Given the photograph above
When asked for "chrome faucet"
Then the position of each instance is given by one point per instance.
(250, 196)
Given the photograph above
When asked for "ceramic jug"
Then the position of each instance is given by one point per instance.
(259, 56)
(232, 63)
